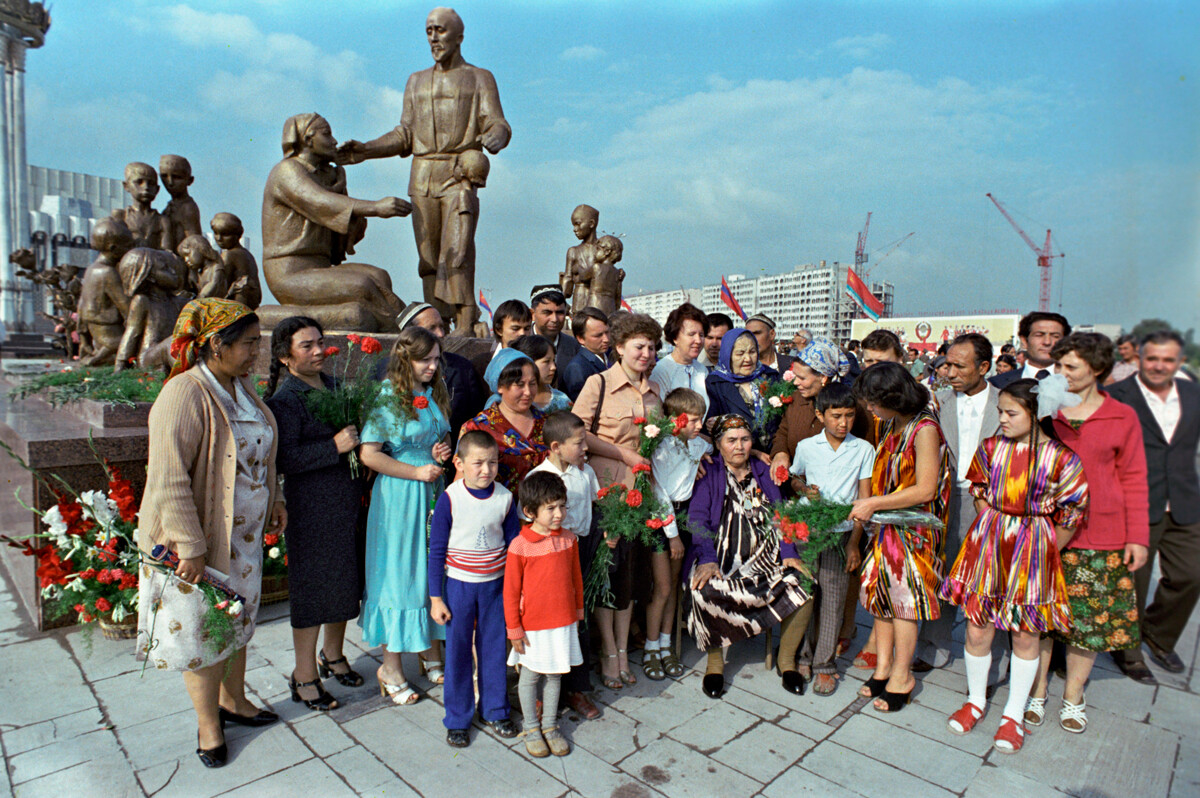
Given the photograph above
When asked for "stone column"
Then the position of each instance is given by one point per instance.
(9, 310)
(20, 169)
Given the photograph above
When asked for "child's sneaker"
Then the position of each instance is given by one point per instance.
(535, 744)
(556, 742)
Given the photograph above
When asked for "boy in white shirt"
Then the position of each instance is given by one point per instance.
(564, 432)
(673, 466)
(837, 466)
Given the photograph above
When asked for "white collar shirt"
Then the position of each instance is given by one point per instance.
(582, 487)
(835, 472)
(1030, 372)
(970, 425)
(674, 466)
(1166, 412)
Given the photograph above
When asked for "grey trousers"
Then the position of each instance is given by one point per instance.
(821, 640)
(934, 639)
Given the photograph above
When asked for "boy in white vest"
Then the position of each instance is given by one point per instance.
(473, 523)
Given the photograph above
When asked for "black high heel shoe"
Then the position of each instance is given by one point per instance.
(213, 757)
(322, 703)
(895, 701)
(264, 717)
(792, 680)
(348, 679)
(875, 687)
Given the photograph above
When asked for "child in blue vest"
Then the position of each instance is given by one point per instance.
(473, 523)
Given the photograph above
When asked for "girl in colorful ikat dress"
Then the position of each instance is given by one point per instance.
(543, 604)
(404, 440)
(1030, 493)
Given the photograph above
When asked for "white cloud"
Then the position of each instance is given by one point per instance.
(860, 48)
(583, 52)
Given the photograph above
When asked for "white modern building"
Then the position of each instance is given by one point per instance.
(811, 297)
(659, 304)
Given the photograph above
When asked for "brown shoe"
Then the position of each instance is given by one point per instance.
(579, 702)
(535, 744)
(557, 744)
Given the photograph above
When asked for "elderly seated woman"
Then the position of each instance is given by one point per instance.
(744, 579)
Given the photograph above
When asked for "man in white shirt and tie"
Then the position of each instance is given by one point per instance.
(968, 415)
(1039, 331)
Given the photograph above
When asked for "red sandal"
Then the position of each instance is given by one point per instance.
(865, 660)
(962, 721)
(1010, 737)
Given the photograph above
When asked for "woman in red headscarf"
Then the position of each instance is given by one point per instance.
(210, 494)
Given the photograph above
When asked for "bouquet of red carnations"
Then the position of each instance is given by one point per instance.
(350, 401)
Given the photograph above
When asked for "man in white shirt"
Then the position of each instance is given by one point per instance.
(968, 415)
(1039, 331)
(1169, 410)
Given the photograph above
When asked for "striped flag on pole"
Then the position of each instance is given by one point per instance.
(625, 305)
(730, 300)
(862, 295)
(483, 304)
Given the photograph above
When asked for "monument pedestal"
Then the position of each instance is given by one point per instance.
(56, 441)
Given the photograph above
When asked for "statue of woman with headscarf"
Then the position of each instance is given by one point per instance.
(310, 225)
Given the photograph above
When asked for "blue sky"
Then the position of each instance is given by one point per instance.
(717, 137)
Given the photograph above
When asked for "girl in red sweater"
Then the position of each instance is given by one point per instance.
(1111, 544)
(543, 603)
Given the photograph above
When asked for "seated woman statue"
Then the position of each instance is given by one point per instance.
(310, 225)
(745, 579)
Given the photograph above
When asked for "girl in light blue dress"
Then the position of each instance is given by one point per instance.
(404, 440)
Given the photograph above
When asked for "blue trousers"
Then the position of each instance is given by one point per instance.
(476, 620)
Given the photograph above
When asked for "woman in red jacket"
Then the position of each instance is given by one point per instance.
(1112, 542)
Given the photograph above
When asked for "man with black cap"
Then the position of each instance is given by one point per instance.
(549, 317)
(762, 327)
(467, 391)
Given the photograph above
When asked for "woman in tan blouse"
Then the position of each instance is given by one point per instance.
(608, 404)
(210, 493)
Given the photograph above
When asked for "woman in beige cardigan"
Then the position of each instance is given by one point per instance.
(210, 493)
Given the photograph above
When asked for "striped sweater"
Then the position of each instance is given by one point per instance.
(468, 534)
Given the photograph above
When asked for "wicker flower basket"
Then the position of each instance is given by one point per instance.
(126, 629)
(274, 589)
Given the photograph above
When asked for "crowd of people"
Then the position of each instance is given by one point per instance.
(468, 533)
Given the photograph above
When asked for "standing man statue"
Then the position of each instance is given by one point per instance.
(450, 108)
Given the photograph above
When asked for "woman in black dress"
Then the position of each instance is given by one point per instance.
(325, 580)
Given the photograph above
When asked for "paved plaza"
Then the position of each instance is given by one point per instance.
(80, 719)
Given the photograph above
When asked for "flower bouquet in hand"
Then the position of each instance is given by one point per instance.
(777, 394)
(634, 514)
(274, 554)
(349, 402)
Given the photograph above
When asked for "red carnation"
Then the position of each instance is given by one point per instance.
(654, 523)
(787, 400)
(640, 468)
(103, 604)
(116, 574)
(128, 581)
(104, 576)
(285, 559)
(681, 421)
(640, 420)
(371, 346)
(330, 351)
(800, 531)
(634, 498)
(600, 494)
(90, 573)
(420, 402)
(354, 338)
(270, 539)
(781, 473)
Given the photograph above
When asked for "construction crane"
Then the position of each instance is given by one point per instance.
(860, 251)
(1043, 256)
(892, 248)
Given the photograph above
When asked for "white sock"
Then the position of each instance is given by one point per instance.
(664, 641)
(651, 645)
(1021, 675)
(977, 676)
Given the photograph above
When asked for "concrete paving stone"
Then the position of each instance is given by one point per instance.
(931, 723)
(714, 727)
(803, 724)
(764, 752)
(273, 750)
(323, 735)
(677, 770)
(797, 781)
(857, 772)
(590, 776)
(110, 778)
(905, 750)
(309, 778)
(767, 709)
(995, 779)
(1187, 771)
(364, 771)
(1120, 695)
(136, 698)
(673, 704)
(171, 738)
(417, 751)
(27, 738)
(1113, 757)
(100, 658)
(98, 745)
(1177, 711)
(40, 681)
(611, 737)
(765, 684)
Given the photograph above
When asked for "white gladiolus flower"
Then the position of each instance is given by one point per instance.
(273, 553)
(775, 401)
(235, 609)
(652, 431)
(54, 522)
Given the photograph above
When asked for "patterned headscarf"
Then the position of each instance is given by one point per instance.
(825, 358)
(727, 422)
(723, 371)
(293, 132)
(199, 320)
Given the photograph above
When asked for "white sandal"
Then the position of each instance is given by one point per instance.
(1075, 712)
(433, 670)
(1035, 712)
(401, 694)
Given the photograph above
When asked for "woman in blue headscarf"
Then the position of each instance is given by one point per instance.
(513, 421)
(735, 386)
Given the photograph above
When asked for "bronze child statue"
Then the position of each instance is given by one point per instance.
(147, 225)
(206, 275)
(582, 256)
(103, 303)
(240, 266)
(182, 215)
